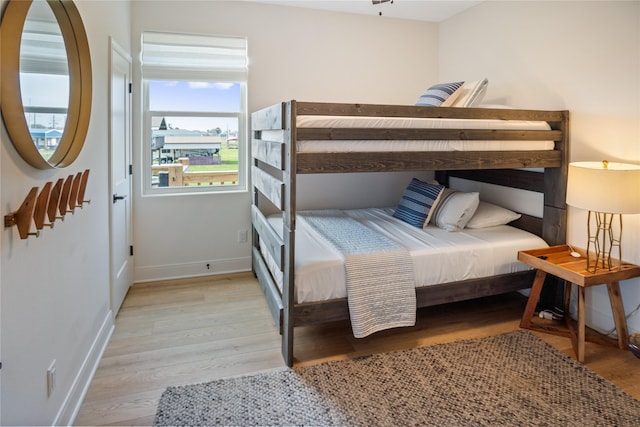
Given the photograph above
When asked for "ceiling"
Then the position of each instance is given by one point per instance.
(421, 10)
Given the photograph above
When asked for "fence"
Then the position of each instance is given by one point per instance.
(178, 175)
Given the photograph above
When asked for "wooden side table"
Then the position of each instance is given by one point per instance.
(557, 260)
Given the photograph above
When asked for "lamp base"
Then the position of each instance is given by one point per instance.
(603, 236)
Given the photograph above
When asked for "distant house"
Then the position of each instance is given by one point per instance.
(45, 138)
(167, 145)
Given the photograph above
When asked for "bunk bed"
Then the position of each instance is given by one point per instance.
(480, 144)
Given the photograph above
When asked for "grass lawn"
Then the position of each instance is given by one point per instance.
(229, 158)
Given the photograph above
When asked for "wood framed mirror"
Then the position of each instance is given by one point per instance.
(46, 82)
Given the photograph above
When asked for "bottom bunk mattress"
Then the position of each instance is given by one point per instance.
(437, 256)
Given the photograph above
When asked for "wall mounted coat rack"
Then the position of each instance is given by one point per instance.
(53, 202)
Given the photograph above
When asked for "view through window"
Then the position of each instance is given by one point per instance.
(194, 133)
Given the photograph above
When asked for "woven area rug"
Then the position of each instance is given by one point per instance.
(515, 379)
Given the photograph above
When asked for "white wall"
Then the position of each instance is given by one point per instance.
(294, 54)
(55, 288)
(583, 56)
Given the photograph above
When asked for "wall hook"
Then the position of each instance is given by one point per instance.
(54, 199)
(64, 197)
(73, 197)
(41, 207)
(83, 187)
(22, 217)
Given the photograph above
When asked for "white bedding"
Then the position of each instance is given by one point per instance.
(336, 146)
(438, 256)
(311, 121)
(332, 146)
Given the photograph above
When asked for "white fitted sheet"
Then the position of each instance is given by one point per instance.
(372, 122)
(334, 146)
(438, 256)
(358, 146)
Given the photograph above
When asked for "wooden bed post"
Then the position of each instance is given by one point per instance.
(289, 178)
(555, 189)
(555, 213)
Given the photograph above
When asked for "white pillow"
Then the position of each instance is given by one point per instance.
(455, 209)
(472, 94)
(490, 215)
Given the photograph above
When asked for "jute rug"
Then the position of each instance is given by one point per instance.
(514, 379)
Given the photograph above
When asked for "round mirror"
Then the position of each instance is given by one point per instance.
(46, 81)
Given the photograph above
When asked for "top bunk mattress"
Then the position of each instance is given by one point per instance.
(438, 256)
(369, 122)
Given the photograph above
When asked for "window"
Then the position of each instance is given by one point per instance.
(195, 117)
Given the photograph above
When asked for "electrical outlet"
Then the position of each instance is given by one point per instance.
(51, 378)
(243, 236)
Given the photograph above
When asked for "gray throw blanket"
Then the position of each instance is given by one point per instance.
(379, 272)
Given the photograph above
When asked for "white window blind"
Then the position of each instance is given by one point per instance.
(165, 55)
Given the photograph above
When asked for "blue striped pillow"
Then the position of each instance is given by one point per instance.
(417, 202)
(440, 95)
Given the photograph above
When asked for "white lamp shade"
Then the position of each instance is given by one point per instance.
(604, 187)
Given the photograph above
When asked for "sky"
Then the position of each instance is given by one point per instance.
(196, 97)
(44, 90)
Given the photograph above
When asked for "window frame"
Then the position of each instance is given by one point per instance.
(185, 75)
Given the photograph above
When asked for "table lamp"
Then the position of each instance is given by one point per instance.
(607, 190)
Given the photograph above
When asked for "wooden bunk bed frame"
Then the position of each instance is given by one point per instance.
(275, 165)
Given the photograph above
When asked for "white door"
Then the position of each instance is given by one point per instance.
(120, 162)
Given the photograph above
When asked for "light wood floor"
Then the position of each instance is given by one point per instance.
(197, 330)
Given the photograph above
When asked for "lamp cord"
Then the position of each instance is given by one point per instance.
(612, 332)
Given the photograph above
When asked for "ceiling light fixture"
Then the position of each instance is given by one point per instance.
(379, 2)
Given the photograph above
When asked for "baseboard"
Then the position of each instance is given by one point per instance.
(191, 269)
(71, 405)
